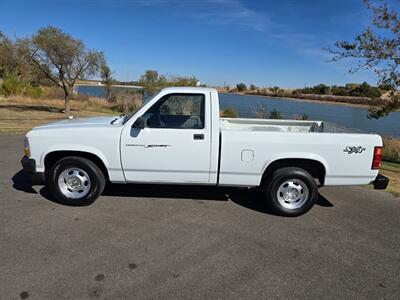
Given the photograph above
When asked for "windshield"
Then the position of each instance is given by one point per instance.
(130, 115)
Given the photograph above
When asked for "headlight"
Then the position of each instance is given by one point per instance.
(27, 150)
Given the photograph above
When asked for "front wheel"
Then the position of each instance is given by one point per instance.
(76, 181)
(291, 192)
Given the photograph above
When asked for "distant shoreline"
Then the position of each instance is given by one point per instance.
(316, 101)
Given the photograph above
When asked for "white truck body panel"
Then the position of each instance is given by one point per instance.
(266, 147)
(91, 135)
(170, 155)
(233, 152)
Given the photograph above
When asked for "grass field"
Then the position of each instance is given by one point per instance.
(20, 114)
(392, 171)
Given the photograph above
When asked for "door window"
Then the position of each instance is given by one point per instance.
(178, 111)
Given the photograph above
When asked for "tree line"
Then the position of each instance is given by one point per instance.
(350, 89)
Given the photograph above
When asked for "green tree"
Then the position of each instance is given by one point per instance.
(241, 87)
(107, 79)
(377, 48)
(19, 76)
(11, 84)
(8, 57)
(152, 81)
(275, 114)
(14, 61)
(365, 90)
(321, 89)
(351, 87)
(63, 59)
(184, 81)
(253, 87)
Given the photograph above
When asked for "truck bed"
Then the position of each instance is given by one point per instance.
(270, 125)
(248, 146)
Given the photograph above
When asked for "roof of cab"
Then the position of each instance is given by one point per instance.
(189, 89)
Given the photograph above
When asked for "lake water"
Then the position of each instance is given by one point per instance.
(348, 116)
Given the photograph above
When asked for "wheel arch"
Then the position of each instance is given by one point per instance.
(54, 156)
(315, 167)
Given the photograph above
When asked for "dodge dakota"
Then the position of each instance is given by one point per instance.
(178, 137)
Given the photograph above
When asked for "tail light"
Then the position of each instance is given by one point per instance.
(376, 162)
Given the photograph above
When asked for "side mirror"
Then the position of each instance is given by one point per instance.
(139, 123)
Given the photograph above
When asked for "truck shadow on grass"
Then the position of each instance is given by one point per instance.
(247, 198)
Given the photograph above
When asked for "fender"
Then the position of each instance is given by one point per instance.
(72, 147)
(296, 155)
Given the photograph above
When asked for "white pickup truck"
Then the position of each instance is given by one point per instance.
(178, 137)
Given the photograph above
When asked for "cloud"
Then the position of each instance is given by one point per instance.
(229, 12)
(216, 12)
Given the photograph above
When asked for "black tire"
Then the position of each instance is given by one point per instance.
(294, 175)
(95, 175)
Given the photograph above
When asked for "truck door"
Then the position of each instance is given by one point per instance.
(174, 145)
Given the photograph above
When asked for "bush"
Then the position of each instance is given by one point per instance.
(230, 112)
(11, 85)
(33, 92)
(275, 114)
(391, 149)
(299, 117)
(275, 89)
(53, 93)
(127, 101)
(261, 111)
(79, 97)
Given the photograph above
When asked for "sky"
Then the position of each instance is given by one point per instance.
(266, 43)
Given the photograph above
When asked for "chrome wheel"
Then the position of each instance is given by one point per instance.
(74, 183)
(292, 194)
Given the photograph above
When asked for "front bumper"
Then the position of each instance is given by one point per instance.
(29, 166)
(381, 182)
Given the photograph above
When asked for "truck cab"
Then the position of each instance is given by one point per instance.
(174, 138)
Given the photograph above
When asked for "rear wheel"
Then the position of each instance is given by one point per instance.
(291, 192)
(76, 181)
